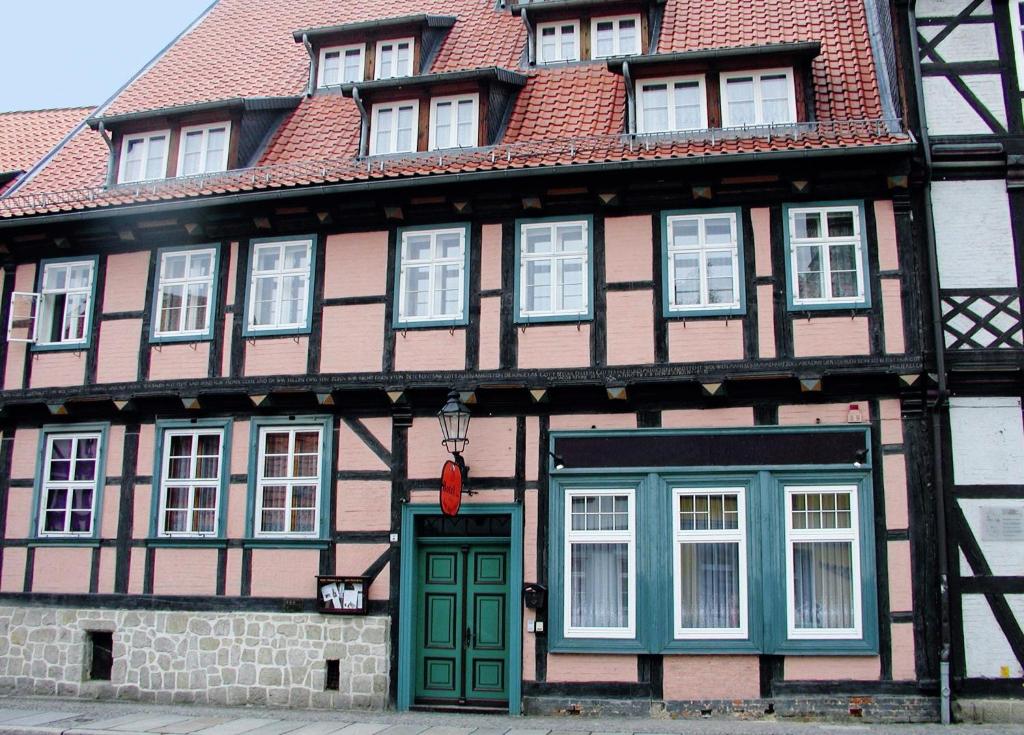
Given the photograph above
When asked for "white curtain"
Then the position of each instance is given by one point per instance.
(600, 585)
(823, 584)
(709, 585)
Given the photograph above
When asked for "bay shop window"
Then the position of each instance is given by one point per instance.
(730, 562)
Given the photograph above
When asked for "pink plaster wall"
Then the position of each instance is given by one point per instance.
(490, 333)
(761, 220)
(892, 313)
(554, 345)
(807, 414)
(12, 574)
(765, 322)
(430, 349)
(53, 369)
(232, 255)
(110, 511)
(894, 477)
(353, 339)
(355, 559)
(903, 665)
(225, 358)
(62, 569)
(569, 667)
(529, 647)
(285, 572)
(829, 668)
(115, 450)
(532, 448)
(354, 454)
(23, 459)
(885, 226)
(364, 505)
(178, 361)
(490, 453)
(490, 257)
(277, 356)
(530, 510)
(356, 264)
(141, 511)
(705, 340)
(127, 276)
(108, 568)
(707, 417)
(136, 571)
(19, 514)
(839, 335)
(892, 421)
(233, 573)
(484, 497)
(900, 577)
(118, 360)
(238, 496)
(240, 447)
(712, 677)
(630, 328)
(577, 421)
(628, 243)
(147, 448)
(185, 572)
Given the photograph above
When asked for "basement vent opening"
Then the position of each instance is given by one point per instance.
(101, 654)
(332, 682)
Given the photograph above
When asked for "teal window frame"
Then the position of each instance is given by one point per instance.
(425, 322)
(86, 342)
(322, 538)
(247, 329)
(224, 425)
(207, 334)
(75, 539)
(584, 316)
(864, 302)
(767, 614)
(691, 312)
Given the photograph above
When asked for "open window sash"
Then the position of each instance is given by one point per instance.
(23, 320)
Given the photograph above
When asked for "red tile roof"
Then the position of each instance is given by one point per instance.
(25, 137)
(245, 48)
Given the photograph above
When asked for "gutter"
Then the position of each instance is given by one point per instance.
(312, 65)
(941, 400)
(109, 180)
(531, 41)
(364, 123)
(472, 178)
(630, 99)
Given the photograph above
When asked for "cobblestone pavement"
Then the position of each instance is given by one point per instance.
(52, 716)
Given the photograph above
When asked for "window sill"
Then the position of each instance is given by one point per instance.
(840, 308)
(596, 645)
(198, 542)
(432, 324)
(286, 543)
(735, 311)
(249, 333)
(58, 347)
(824, 647)
(86, 541)
(180, 338)
(523, 320)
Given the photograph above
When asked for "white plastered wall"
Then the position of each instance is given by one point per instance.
(973, 235)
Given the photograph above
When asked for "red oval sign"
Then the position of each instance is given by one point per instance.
(451, 488)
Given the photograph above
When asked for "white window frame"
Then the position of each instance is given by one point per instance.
(16, 317)
(290, 482)
(1016, 7)
(192, 484)
(757, 75)
(148, 138)
(599, 537)
(222, 165)
(43, 313)
(856, 239)
(555, 258)
(558, 25)
(453, 141)
(280, 273)
(433, 263)
(670, 82)
(738, 536)
(394, 71)
(616, 38)
(851, 535)
(341, 51)
(185, 282)
(70, 484)
(393, 137)
(701, 250)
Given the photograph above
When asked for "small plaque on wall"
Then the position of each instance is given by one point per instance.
(1002, 523)
(342, 595)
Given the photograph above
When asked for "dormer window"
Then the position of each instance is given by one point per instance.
(758, 98)
(341, 64)
(618, 36)
(394, 58)
(394, 127)
(203, 149)
(453, 121)
(144, 157)
(667, 105)
(558, 42)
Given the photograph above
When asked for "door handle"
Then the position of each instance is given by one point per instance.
(469, 637)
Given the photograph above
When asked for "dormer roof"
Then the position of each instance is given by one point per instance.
(487, 74)
(802, 50)
(382, 25)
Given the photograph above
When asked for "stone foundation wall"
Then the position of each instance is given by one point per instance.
(200, 657)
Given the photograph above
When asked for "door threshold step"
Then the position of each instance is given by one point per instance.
(471, 709)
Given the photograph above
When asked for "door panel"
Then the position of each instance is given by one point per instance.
(440, 624)
(487, 612)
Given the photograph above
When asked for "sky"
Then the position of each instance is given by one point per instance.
(77, 53)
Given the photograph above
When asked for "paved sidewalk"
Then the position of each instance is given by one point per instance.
(54, 716)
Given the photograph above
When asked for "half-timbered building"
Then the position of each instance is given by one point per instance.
(965, 76)
(662, 252)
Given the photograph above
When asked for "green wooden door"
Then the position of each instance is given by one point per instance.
(462, 635)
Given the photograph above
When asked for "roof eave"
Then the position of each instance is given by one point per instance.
(425, 19)
(552, 5)
(495, 73)
(804, 49)
(247, 104)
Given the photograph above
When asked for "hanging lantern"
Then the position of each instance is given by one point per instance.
(454, 419)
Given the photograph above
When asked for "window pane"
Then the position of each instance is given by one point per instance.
(807, 225)
(155, 159)
(740, 96)
(572, 285)
(268, 258)
(568, 45)
(449, 245)
(685, 232)
(604, 43)
(570, 239)
(599, 588)
(538, 285)
(417, 291)
(384, 125)
(709, 585)
(538, 240)
(215, 146)
(687, 278)
(406, 127)
(628, 37)
(720, 278)
(775, 99)
(718, 231)
(353, 66)
(447, 295)
(809, 276)
(200, 265)
(332, 65)
(600, 513)
(823, 584)
(192, 161)
(296, 256)
(687, 105)
(466, 115)
(709, 512)
(840, 224)
(417, 247)
(443, 124)
(654, 99)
